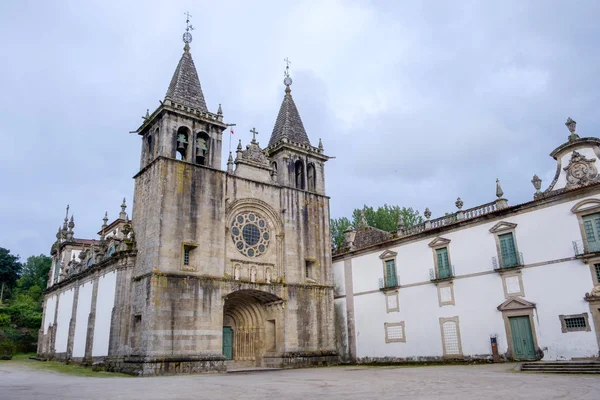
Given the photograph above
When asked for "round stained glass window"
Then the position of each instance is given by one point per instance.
(249, 232)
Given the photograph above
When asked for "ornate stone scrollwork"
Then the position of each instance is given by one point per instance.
(581, 171)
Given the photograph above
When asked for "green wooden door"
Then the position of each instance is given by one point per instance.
(507, 248)
(591, 223)
(228, 342)
(443, 263)
(523, 348)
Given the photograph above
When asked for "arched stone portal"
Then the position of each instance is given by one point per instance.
(250, 322)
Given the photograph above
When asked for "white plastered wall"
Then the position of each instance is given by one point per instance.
(105, 301)
(63, 320)
(557, 286)
(50, 312)
(84, 304)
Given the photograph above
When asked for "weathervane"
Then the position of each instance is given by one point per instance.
(187, 36)
(287, 81)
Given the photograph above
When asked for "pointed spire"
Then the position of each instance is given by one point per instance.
(105, 219)
(289, 124)
(499, 192)
(239, 146)
(220, 110)
(320, 145)
(230, 163)
(185, 86)
(123, 214)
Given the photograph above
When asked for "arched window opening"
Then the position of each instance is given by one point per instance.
(150, 146)
(299, 175)
(274, 171)
(312, 177)
(202, 148)
(182, 143)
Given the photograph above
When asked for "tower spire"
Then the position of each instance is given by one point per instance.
(185, 86)
(288, 124)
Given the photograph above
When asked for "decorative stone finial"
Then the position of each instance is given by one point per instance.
(66, 222)
(572, 125)
(459, 203)
(499, 192)
(320, 145)
(537, 183)
(239, 147)
(105, 219)
(220, 110)
(58, 234)
(427, 213)
(123, 214)
(363, 219)
(147, 116)
(71, 226)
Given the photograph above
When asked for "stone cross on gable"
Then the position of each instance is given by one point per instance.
(254, 133)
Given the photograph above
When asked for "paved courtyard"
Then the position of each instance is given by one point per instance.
(22, 380)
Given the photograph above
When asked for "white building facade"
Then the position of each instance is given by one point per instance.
(523, 277)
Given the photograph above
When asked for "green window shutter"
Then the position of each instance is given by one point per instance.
(508, 251)
(390, 273)
(443, 263)
(591, 225)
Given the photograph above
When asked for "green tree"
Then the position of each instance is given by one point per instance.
(10, 267)
(384, 218)
(34, 275)
(337, 227)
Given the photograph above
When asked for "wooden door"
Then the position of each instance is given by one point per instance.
(228, 342)
(522, 338)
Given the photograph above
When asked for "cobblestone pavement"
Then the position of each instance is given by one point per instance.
(20, 380)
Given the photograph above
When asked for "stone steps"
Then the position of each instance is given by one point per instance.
(562, 367)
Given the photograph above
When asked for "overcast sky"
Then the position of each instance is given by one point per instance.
(420, 102)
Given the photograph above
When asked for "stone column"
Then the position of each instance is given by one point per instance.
(350, 309)
(89, 340)
(72, 322)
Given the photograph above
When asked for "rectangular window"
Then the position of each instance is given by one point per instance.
(597, 268)
(508, 251)
(309, 272)
(390, 274)
(443, 264)
(451, 337)
(186, 256)
(591, 225)
(574, 323)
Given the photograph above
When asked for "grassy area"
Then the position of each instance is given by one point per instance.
(55, 366)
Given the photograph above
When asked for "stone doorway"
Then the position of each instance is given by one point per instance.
(250, 321)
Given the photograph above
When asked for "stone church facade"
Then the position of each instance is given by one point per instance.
(214, 266)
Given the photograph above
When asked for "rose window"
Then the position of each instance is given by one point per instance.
(250, 234)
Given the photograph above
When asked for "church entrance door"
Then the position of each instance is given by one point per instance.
(228, 342)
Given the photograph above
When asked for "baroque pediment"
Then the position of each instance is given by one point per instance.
(515, 303)
(388, 254)
(502, 226)
(439, 241)
(255, 155)
(581, 171)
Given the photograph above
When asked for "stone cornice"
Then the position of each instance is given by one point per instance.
(546, 201)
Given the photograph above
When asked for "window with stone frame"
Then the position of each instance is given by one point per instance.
(441, 260)
(188, 262)
(394, 332)
(390, 276)
(443, 263)
(574, 323)
(508, 255)
(591, 226)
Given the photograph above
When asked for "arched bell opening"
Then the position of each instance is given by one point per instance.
(249, 325)
(202, 146)
(182, 142)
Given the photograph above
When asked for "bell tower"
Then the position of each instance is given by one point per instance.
(295, 162)
(182, 127)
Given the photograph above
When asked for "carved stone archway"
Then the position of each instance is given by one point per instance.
(255, 317)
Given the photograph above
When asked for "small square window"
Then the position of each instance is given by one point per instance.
(394, 332)
(187, 259)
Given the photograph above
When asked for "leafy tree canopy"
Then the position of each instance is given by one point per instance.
(384, 218)
(10, 267)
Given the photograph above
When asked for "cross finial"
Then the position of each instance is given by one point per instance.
(254, 133)
(187, 36)
(287, 81)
